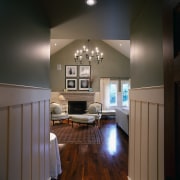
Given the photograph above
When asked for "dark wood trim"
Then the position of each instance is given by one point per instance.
(170, 125)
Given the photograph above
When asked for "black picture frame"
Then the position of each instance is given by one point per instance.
(71, 71)
(84, 84)
(85, 71)
(71, 84)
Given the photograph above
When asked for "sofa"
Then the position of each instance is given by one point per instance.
(122, 118)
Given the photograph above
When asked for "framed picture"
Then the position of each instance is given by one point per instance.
(84, 84)
(71, 84)
(71, 71)
(84, 71)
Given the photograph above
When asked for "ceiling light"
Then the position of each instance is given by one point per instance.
(91, 2)
(88, 55)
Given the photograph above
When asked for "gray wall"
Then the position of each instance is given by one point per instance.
(108, 19)
(25, 50)
(115, 65)
(146, 44)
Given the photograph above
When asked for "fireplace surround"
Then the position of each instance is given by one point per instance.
(74, 97)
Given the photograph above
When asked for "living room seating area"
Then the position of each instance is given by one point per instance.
(56, 113)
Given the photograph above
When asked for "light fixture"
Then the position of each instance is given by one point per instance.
(63, 103)
(61, 98)
(90, 2)
(88, 55)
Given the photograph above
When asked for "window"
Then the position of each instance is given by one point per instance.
(113, 90)
(125, 86)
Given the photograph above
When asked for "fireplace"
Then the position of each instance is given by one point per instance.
(77, 107)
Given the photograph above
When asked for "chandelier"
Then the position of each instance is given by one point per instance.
(88, 55)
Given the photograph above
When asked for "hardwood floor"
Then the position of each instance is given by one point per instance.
(107, 161)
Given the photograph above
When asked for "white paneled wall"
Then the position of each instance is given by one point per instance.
(24, 133)
(146, 134)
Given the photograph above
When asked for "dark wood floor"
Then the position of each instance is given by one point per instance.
(107, 161)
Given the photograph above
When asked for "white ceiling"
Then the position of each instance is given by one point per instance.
(58, 44)
(123, 46)
(106, 20)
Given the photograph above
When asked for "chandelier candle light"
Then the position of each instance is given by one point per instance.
(84, 53)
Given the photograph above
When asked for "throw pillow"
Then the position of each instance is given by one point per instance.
(92, 109)
(56, 108)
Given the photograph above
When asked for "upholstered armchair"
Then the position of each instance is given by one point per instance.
(95, 109)
(56, 113)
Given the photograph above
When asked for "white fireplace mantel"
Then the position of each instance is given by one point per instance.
(79, 96)
(89, 97)
(77, 93)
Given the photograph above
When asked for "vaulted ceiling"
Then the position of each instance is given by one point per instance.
(107, 20)
(123, 46)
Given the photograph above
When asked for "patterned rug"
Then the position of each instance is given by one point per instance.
(79, 134)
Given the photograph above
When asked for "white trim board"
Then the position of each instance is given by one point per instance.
(15, 94)
(151, 94)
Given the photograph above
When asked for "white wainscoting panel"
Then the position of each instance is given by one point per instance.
(3, 142)
(26, 141)
(35, 141)
(144, 141)
(146, 134)
(24, 133)
(131, 167)
(137, 136)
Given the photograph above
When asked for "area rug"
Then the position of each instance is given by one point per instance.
(79, 134)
